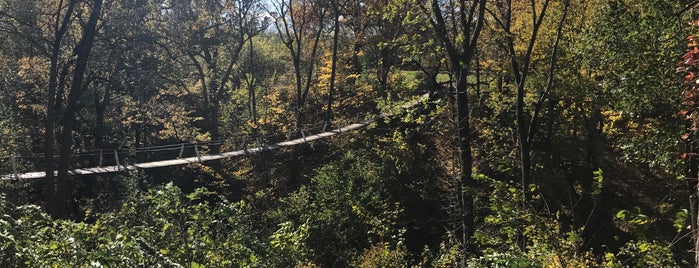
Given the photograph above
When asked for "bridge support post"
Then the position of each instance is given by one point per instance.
(181, 151)
(116, 158)
(196, 150)
(13, 162)
(243, 145)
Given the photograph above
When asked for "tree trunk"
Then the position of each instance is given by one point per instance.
(465, 155)
(524, 144)
(49, 127)
(460, 57)
(76, 89)
(333, 68)
(61, 27)
(526, 129)
(100, 107)
(251, 87)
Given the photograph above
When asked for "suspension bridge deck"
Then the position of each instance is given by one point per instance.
(203, 158)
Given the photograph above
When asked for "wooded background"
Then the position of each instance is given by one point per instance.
(557, 133)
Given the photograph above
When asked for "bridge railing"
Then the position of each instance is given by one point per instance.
(113, 160)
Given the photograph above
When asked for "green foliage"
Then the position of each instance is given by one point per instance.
(159, 228)
(636, 221)
(597, 182)
(502, 260)
(641, 254)
(633, 77)
(635, 218)
(650, 141)
(507, 223)
(32, 239)
(345, 208)
(448, 254)
(680, 220)
(623, 31)
(291, 241)
(382, 255)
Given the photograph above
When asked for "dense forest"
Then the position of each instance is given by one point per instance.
(500, 133)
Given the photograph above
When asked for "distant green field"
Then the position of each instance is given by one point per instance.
(414, 77)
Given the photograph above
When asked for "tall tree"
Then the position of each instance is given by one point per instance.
(521, 66)
(333, 69)
(60, 27)
(51, 32)
(383, 27)
(300, 25)
(211, 35)
(458, 25)
(82, 53)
